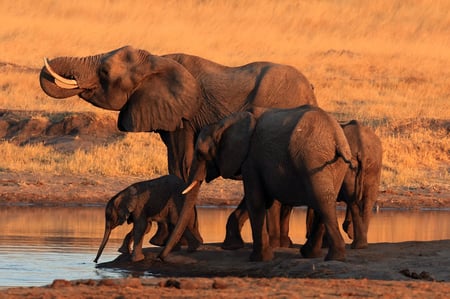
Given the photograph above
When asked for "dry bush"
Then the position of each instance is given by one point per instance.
(138, 154)
(385, 63)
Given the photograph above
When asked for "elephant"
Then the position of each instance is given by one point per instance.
(175, 95)
(360, 187)
(298, 156)
(141, 203)
(359, 191)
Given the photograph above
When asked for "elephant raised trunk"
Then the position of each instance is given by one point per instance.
(60, 80)
(103, 244)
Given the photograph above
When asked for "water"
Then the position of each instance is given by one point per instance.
(40, 244)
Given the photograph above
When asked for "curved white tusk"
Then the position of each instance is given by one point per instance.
(60, 80)
(190, 187)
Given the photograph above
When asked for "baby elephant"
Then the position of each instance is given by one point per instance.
(141, 203)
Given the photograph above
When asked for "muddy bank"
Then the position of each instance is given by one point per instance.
(381, 261)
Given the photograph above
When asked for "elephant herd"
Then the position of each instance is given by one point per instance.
(259, 123)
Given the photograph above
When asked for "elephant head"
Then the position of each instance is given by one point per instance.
(151, 92)
(117, 211)
(220, 150)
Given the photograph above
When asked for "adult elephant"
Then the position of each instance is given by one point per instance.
(360, 187)
(298, 156)
(175, 95)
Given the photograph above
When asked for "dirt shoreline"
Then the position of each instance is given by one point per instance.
(392, 270)
(50, 189)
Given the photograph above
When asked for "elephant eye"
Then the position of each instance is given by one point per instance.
(71, 77)
(104, 73)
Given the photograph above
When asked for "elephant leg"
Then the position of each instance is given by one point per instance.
(310, 223)
(126, 244)
(315, 234)
(337, 244)
(141, 227)
(347, 225)
(361, 213)
(161, 235)
(359, 228)
(285, 215)
(273, 224)
(262, 251)
(192, 241)
(233, 239)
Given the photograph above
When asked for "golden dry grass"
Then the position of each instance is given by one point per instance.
(386, 63)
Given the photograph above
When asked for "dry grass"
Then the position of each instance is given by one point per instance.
(386, 63)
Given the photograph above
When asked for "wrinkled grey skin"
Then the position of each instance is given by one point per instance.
(298, 156)
(141, 203)
(360, 187)
(175, 94)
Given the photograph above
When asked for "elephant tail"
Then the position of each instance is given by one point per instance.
(359, 181)
(343, 151)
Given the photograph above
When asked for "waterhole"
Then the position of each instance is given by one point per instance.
(40, 244)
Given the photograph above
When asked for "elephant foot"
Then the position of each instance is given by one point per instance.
(335, 255)
(177, 247)
(286, 242)
(232, 243)
(359, 245)
(158, 241)
(309, 252)
(124, 249)
(265, 255)
(275, 242)
(136, 257)
(192, 246)
(183, 241)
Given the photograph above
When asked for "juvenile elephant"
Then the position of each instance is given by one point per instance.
(360, 187)
(141, 203)
(175, 95)
(298, 156)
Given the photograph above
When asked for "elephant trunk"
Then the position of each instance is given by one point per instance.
(103, 244)
(64, 77)
(196, 177)
(183, 220)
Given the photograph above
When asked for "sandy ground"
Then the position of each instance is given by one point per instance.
(389, 270)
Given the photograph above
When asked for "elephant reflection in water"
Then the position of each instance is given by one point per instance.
(141, 203)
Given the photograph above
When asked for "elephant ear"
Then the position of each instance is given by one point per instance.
(166, 94)
(125, 204)
(233, 141)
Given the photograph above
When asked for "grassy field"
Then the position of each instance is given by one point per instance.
(386, 63)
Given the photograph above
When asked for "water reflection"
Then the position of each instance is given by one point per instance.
(39, 244)
(385, 226)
